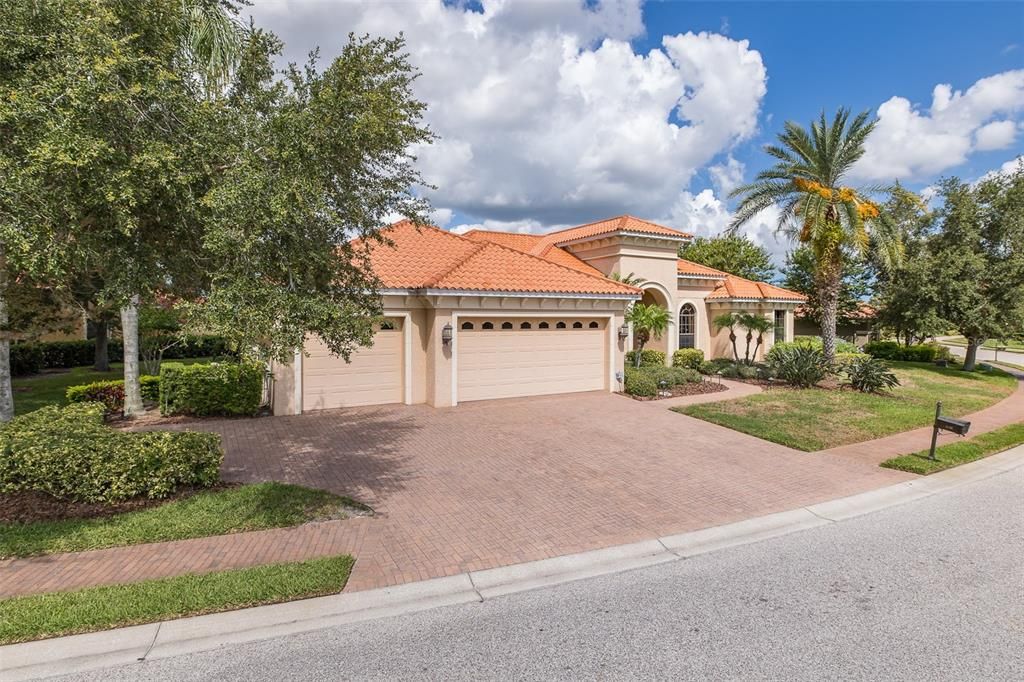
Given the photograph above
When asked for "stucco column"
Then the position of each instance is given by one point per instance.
(439, 359)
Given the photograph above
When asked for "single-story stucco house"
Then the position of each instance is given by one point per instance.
(488, 315)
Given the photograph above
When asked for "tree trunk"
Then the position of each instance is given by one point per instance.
(746, 351)
(971, 356)
(101, 359)
(130, 335)
(6, 391)
(829, 282)
(735, 351)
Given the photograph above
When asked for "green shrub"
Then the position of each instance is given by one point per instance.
(26, 358)
(31, 357)
(748, 372)
(707, 367)
(843, 359)
(648, 358)
(842, 347)
(688, 376)
(869, 375)
(218, 388)
(690, 358)
(640, 382)
(891, 350)
(111, 393)
(70, 453)
(801, 365)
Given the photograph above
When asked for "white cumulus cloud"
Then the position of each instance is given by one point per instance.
(912, 143)
(545, 112)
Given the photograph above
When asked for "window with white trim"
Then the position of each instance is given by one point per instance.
(687, 326)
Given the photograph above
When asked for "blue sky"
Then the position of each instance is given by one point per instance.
(900, 49)
(559, 112)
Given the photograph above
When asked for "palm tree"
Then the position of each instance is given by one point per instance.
(728, 321)
(212, 42)
(648, 321)
(630, 279)
(816, 208)
(754, 323)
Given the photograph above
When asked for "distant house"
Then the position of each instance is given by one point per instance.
(857, 328)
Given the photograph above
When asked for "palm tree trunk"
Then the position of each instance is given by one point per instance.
(130, 335)
(101, 358)
(971, 356)
(746, 351)
(829, 282)
(735, 351)
(6, 391)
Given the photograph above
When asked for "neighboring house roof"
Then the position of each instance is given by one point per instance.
(865, 311)
(434, 259)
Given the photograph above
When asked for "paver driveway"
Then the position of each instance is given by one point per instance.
(499, 482)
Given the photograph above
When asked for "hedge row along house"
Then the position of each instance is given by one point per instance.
(488, 315)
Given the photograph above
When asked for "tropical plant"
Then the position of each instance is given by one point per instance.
(728, 321)
(834, 220)
(869, 375)
(649, 321)
(754, 324)
(801, 366)
(631, 279)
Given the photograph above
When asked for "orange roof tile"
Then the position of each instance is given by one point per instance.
(525, 243)
(686, 267)
(738, 287)
(622, 223)
(431, 258)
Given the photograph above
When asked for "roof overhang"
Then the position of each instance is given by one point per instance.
(756, 300)
(627, 233)
(714, 278)
(509, 294)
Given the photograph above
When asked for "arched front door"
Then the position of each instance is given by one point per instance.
(687, 326)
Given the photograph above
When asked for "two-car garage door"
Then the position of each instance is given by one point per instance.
(511, 357)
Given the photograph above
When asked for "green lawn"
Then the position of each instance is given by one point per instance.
(48, 388)
(216, 512)
(815, 419)
(959, 452)
(1010, 345)
(101, 608)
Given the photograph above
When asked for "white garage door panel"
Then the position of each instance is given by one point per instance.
(510, 363)
(374, 377)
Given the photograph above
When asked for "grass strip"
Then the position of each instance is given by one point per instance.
(101, 608)
(216, 512)
(962, 452)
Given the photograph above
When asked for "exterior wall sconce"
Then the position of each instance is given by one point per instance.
(446, 334)
(623, 332)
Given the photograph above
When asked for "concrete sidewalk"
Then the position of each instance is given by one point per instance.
(161, 640)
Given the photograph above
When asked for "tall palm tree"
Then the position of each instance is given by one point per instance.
(806, 184)
(212, 41)
(758, 324)
(728, 321)
(648, 321)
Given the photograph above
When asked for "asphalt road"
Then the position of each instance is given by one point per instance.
(931, 590)
(988, 355)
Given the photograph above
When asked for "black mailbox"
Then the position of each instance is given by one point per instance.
(957, 426)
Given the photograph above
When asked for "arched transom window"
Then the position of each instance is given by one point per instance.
(687, 326)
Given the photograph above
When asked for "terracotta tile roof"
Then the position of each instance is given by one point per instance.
(687, 267)
(738, 287)
(622, 223)
(526, 242)
(431, 258)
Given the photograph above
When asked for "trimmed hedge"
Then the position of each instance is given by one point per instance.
(68, 452)
(891, 350)
(32, 357)
(111, 393)
(690, 358)
(218, 388)
(815, 342)
(641, 383)
(648, 358)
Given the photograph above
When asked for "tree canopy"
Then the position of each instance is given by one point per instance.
(733, 253)
(854, 287)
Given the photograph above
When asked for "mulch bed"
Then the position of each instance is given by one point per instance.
(32, 506)
(685, 389)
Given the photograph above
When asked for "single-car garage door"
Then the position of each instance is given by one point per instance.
(509, 357)
(373, 377)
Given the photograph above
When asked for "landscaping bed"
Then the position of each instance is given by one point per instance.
(190, 513)
(100, 608)
(818, 418)
(696, 388)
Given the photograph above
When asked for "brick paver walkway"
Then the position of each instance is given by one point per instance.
(1008, 411)
(479, 486)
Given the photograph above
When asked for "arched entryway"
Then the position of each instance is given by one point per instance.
(654, 295)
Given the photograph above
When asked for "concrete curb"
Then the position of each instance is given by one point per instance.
(80, 653)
